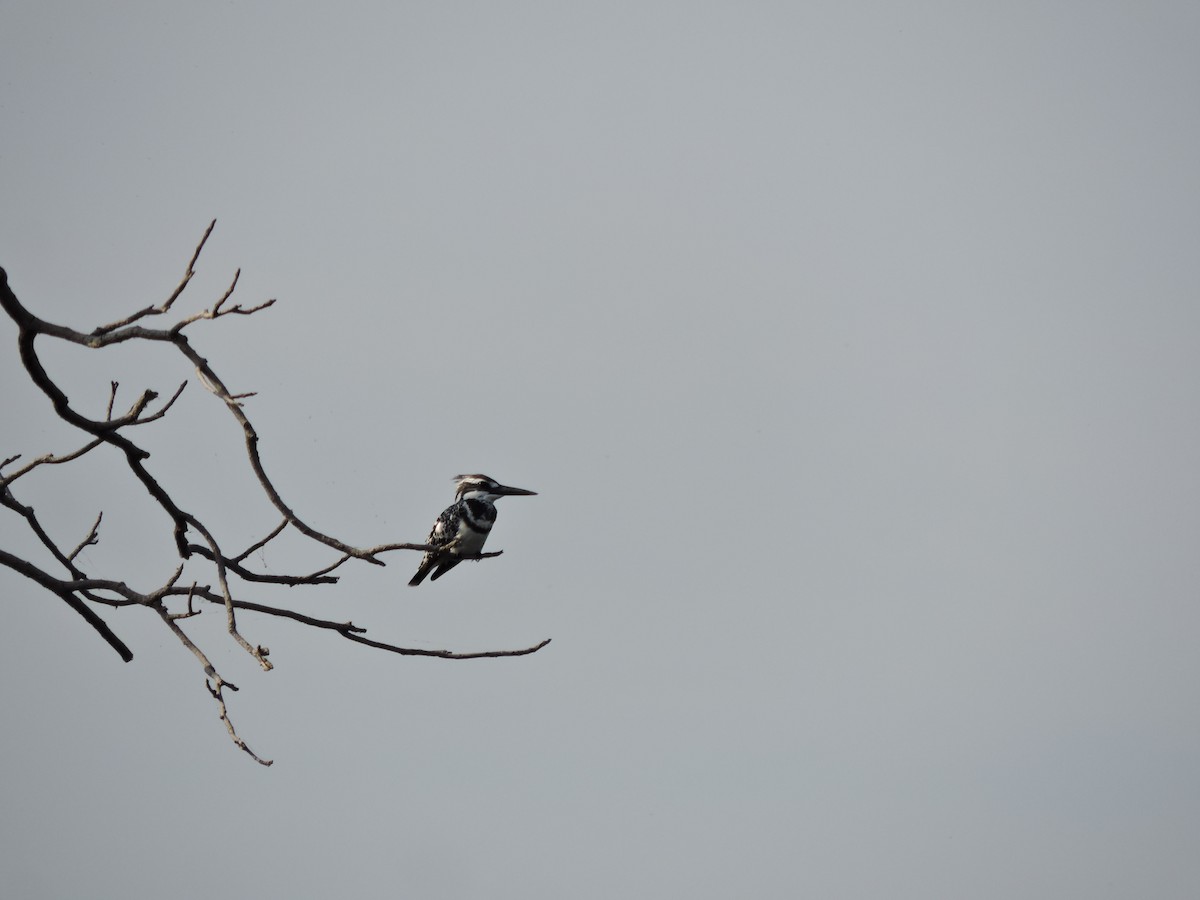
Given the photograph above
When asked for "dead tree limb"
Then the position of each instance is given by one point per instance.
(83, 592)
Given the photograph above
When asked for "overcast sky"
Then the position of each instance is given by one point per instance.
(853, 350)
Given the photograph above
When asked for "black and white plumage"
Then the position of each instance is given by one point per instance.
(463, 527)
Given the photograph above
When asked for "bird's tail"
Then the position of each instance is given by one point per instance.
(427, 564)
(443, 567)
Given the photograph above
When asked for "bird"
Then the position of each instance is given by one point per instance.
(464, 525)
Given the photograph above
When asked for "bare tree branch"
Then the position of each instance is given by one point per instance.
(166, 305)
(46, 460)
(82, 591)
(258, 545)
(445, 654)
(52, 584)
(259, 653)
(93, 537)
(215, 683)
(26, 512)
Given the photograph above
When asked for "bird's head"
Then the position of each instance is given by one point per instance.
(480, 487)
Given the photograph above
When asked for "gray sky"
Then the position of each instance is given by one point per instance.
(852, 349)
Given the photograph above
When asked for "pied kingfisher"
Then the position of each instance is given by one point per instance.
(463, 526)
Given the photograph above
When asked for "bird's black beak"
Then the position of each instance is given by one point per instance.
(504, 490)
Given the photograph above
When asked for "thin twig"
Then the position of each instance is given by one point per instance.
(259, 653)
(215, 683)
(445, 654)
(191, 611)
(258, 545)
(142, 420)
(93, 537)
(166, 304)
(246, 574)
(352, 632)
(47, 460)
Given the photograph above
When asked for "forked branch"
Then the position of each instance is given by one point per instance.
(82, 592)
